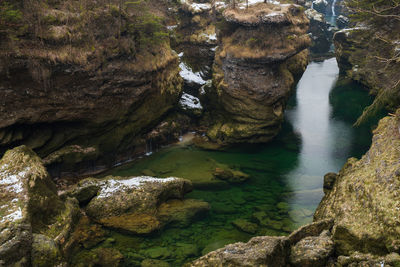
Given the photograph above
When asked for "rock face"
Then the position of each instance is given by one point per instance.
(321, 33)
(94, 87)
(367, 54)
(274, 251)
(139, 205)
(364, 200)
(255, 69)
(34, 221)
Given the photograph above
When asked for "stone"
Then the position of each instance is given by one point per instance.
(342, 22)
(321, 34)
(230, 175)
(187, 250)
(245, 226)
(259, 251)
(252, 84)
(157, 253)
(363, 199)
(154, 263)
(329, 180)
(44, 251)
(312, 251)
(320, 5)
(143, 204)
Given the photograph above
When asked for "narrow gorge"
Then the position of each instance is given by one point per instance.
(199, 133)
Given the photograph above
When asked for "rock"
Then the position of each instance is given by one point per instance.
(86, 234)
(283, 207)
(230, 175)
(143, 204)
(329, 181)
(191, 105)
(259, 251)
(30, 205)
(187, 250)
(320, 34)
(251, 83)
(363, 199)
(157, 253)
(312, 251)
(320, 5)
(154, 263)
(342, 22)
(102, 97)
(103, 257)
(44, 251)
(180, 213)
(245, 226)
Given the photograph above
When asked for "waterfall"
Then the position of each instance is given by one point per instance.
(333, 8)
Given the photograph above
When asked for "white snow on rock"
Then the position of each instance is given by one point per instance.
(189, 76)
(318, 2)
(16, 215)
(190, 102)
(196, 8)
(349, 30)
(172, 27)
(12, 182)
(113, 186)
(313, 14)
(253, 2)
(210, 38)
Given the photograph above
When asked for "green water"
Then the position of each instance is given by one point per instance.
(286, 175)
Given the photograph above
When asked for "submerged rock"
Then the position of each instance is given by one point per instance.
(245, 226)
(255, 69)
(142, 204)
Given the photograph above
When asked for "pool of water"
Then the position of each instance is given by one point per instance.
(286, 175)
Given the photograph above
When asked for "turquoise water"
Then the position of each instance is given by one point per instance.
(286, 175)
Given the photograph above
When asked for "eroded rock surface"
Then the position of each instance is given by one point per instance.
(255, 69)
(364, 200)
(34, 221)
(139, 205)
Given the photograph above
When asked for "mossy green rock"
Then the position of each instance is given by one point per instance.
(143, 204)
(253, 76)
(44, 251)
(364, 200)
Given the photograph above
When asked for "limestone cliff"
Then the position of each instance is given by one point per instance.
(261, 53)
(98, 75)
(369, 53)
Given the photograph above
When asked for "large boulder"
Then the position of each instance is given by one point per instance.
(255, 69)
(32, 213)
(364, 200)
(140, 205)
(273, 250)
(321, 32)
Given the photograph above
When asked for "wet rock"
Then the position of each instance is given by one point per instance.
(180, 213)
(360, 259)
(259, 251)
(329, 181)
(245, 226)
(158, 253)
(251, 83)
(143, 204)
(312, 251)
(363, 199)
(154, 263)
(104, 257)
(86, 234)
(230, 175)
(187, 250)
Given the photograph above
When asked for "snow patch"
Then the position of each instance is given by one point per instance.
(113, 186)
(13, 182)
(16, 215)
(190, 102)
(189, 76)
(172, 27)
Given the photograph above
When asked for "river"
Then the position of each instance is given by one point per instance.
(286, 175)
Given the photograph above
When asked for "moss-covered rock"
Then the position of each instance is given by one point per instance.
(364, 201)
(35, 222)
(260, 54)
(143, 204)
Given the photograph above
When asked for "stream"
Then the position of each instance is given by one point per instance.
(286, 175)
